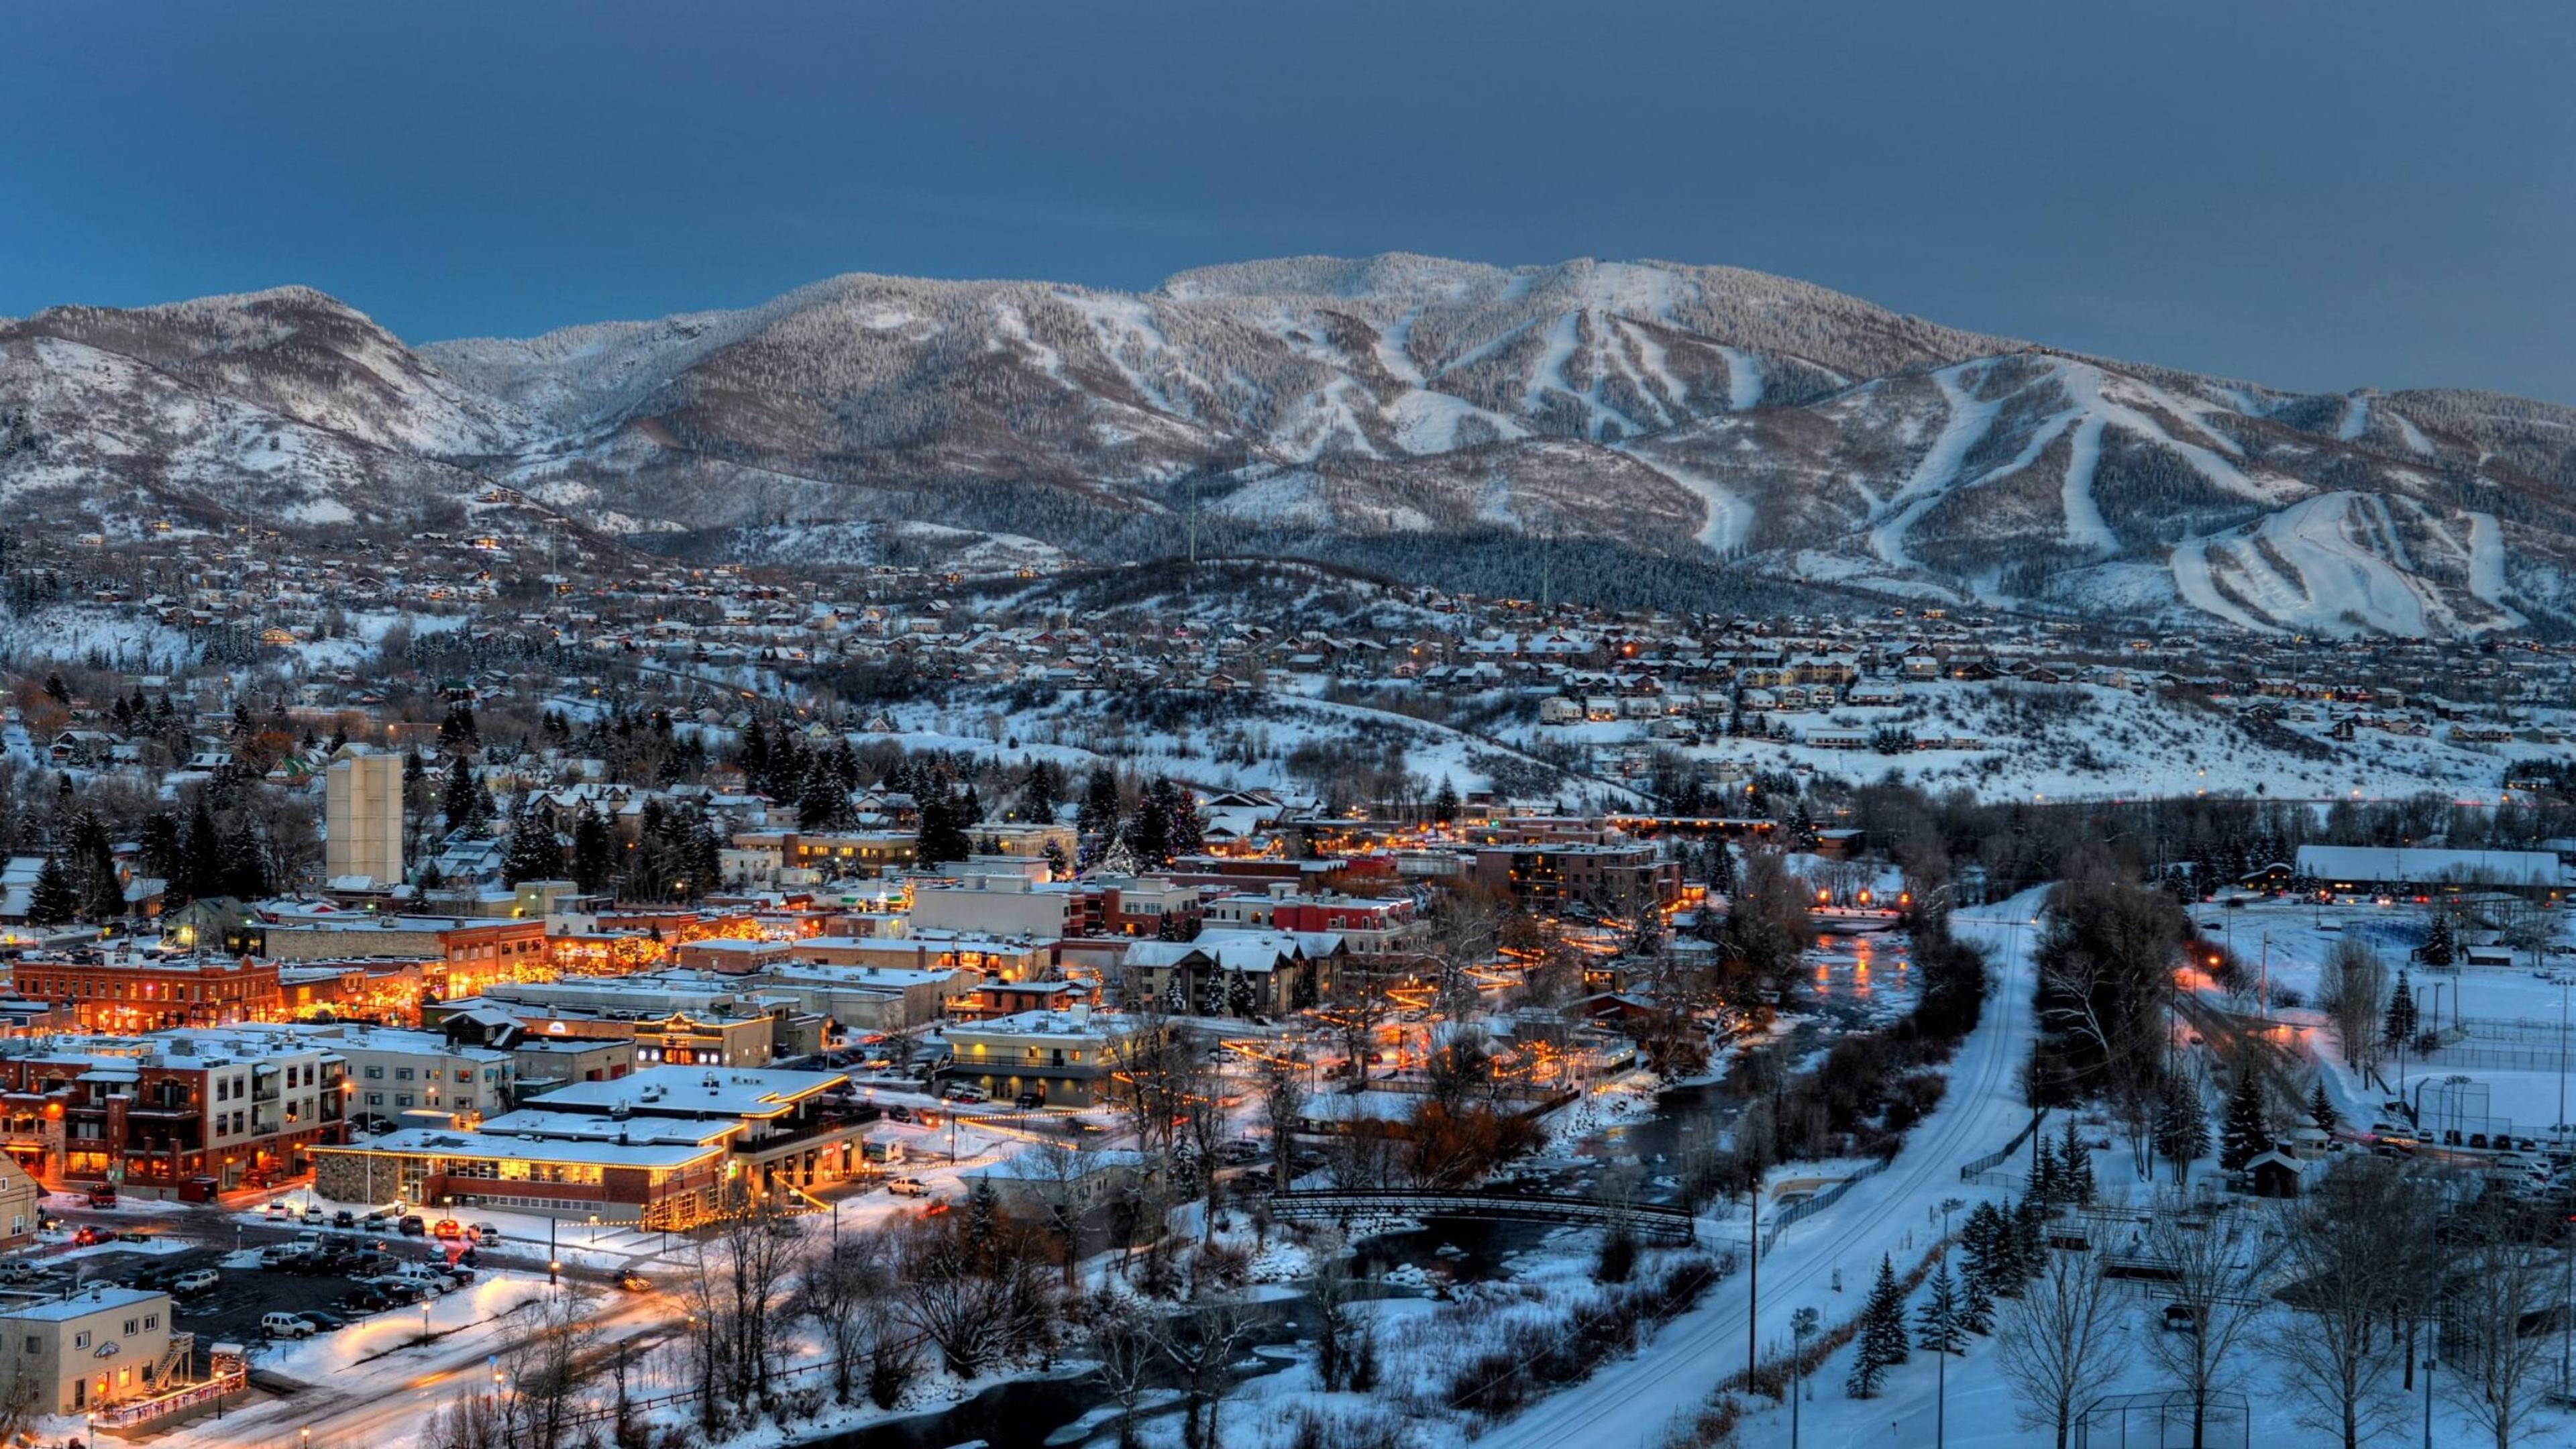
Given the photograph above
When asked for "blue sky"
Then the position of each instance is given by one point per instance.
(2308, 194)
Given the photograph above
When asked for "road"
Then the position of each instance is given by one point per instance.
(1637, 1400)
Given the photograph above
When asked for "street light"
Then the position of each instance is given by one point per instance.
(1801, 1323)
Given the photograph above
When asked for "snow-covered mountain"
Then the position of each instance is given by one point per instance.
(1670, 412)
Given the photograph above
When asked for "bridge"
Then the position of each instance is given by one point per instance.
(1661, 1222)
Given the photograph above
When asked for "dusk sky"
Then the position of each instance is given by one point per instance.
(2309, 195)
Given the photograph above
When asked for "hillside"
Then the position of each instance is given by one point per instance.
(1670, 431)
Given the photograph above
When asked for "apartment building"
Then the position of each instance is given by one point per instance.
(182, 1114)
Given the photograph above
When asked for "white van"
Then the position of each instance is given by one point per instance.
(285, 1325)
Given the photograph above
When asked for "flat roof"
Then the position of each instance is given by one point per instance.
(79, 1305)
(728, 1091)
(445, 1142)
(592, 1127)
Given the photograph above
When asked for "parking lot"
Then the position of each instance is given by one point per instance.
(244, 1290)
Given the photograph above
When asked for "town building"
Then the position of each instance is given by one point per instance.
(363, 818)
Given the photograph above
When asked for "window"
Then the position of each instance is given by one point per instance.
(151, 1321)
(81, 1339)
(132, 1327)
(402, 1099)
(375, 1074)
(375, 1099)
(465, 1075)
(402, 1074)
(34, 1344)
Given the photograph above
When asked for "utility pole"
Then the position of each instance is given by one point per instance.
(1753, 1289)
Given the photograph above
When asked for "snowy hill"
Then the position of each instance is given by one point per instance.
(1401, 411)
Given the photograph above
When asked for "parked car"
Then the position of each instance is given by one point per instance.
(103, 1195)
(376, 1220)
(314, 1217)
(84, 1237)
(634, 1282)
(413, 1225)
(447, 1228)
(285, 1325)
(486, 1233)
(326, 1321)
(18, 1270)
(906, 1187)
(278, 1210)
(961, 1092)
(344, 1219)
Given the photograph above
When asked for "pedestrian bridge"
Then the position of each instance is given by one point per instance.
(1658, 1221)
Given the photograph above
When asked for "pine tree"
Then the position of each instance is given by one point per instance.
(52, 900)
(1238, 993)
(200, 864)
(532, 853)
(824, 803)
(983, 1213)
(1101, 814)
(2182, 1125)
(1058, 867)
(2029, 1240)
(942, 835)
(1884, 1342)
(1721, 869)
(1149, 836)
(594, 854)
(93, 868)
(2046, 1182)
(1444, 802)
(245, 862)
(2398, 1026)
(1941, 1324)
(1802, 827)
(2439, 948)
(1976, 1306)
(2321, 1107)
(2247, 1130)
(2075, 1160)
(1985, 1254)
(458, 804)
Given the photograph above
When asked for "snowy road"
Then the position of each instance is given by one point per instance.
(1636, 1401)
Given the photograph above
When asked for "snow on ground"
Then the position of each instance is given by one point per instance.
(1635, 1400)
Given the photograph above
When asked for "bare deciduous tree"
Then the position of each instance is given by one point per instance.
(2500, 1283)
(2058, 1345)
(1201, 1345)
(2347, 1293)
(2352, 987)
(2211, 1257)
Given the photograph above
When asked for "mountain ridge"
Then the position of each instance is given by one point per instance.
(1715, 418)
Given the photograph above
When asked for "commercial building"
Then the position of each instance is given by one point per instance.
(182, 1114)
(363, 814)
(1611, 879)
(132, 993)
(399, 1078)
(1242, 973)
(1063, 1059)
(659, 1148)
(2408, 870)
(101, 1346)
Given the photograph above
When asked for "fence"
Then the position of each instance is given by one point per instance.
(1821, 1201)
(195, 1396)
(1975, 1171)
(2163, 1421)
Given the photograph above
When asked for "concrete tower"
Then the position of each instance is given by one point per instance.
(363, 811)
